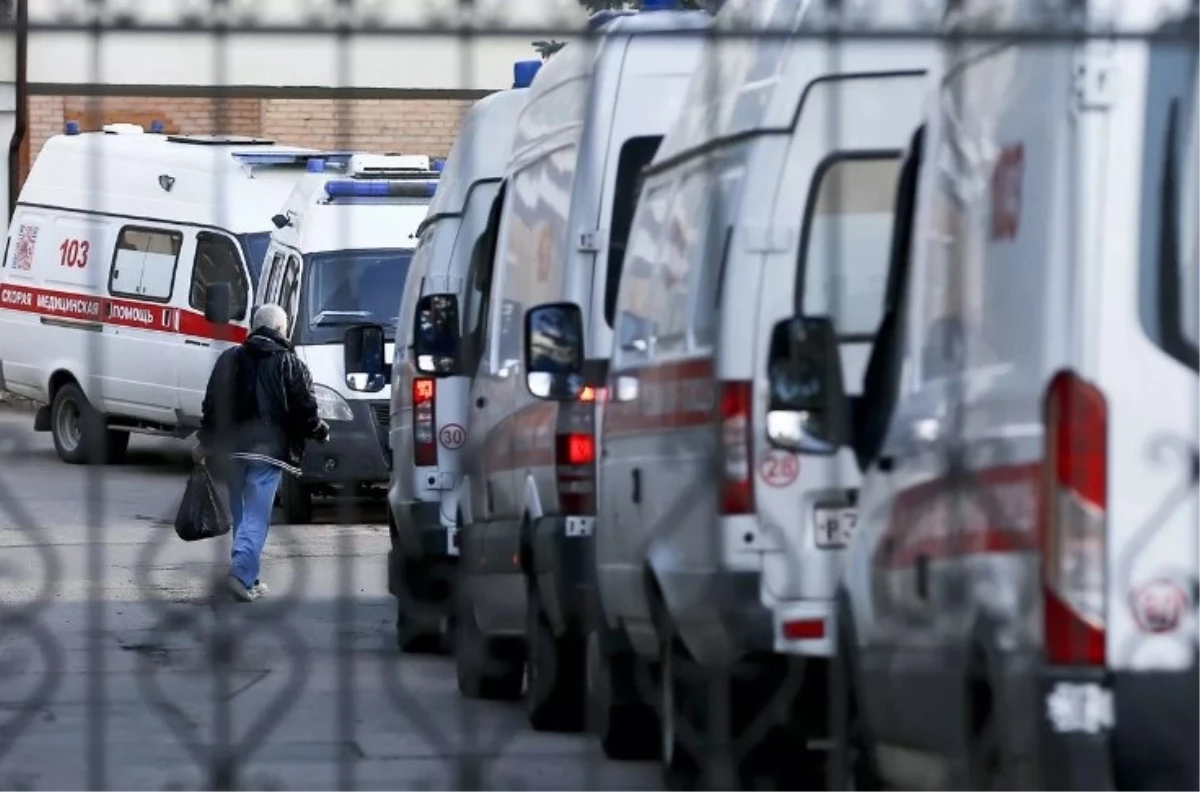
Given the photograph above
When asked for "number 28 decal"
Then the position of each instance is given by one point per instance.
(74, 253)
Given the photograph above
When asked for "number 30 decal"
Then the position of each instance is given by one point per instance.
(74, 252)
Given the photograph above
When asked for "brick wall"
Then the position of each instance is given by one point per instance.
(419, 126)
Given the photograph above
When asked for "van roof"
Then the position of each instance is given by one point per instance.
(231, 183)
(481, 150)
(358, 224)
(747, 84)
(616, 45)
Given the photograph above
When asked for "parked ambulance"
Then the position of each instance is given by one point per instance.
(106, 310)
(717, 553)
(1019, 606)
(429, 415)
(596, 114)
(337, 262)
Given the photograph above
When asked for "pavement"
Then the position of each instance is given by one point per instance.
(119, 669)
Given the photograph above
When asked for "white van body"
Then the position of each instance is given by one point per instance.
(422, 496)
(712, 544)
(84, 302)
(342, 260)
(528, 514)
(1019, 602)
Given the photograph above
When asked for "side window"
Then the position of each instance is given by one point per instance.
(271, 292)
(144, 263)
(289, 290)
(637, 315)
(218, 260)
(483, 258)
(636, 154)
(846, 242)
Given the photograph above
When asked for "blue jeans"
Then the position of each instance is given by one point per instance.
(252, 488)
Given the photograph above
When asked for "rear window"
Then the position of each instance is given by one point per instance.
(847, 241)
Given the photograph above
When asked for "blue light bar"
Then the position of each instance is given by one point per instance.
(157, 127)
(71, 128)
(378, 188)
(660, 5)
(524, 72)
(316, 166)
(438, 165)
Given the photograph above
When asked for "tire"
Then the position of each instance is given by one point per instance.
(296, 501)
(79, 432)
(680, 766)
(485, 669)
(422, 610)
(851, 762)
(627, 728)
(556, 694)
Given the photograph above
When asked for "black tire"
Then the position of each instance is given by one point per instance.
(422, 607)
(851, 761)
(296, 501)
(681, 768)
(79, 432)
(485, 669)
(628, 728)
(118, 445)
(556, 696)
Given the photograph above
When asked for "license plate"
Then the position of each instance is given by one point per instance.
(835, 525)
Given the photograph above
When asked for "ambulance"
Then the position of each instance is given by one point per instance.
(337, 262)
(429, 415)
(1018, 607)
(107, 312)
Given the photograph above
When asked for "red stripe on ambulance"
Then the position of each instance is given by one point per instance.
(677, 395)
(120, 313)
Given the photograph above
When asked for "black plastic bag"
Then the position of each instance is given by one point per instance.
(202, 513)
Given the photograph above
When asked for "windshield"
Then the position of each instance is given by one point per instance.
(351, 287)
(255, 247)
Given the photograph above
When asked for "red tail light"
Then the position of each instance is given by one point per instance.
(575, 457)
(424, 399)
(1074, 529)
(737, 484)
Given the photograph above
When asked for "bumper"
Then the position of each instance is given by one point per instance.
(357, 451)
(719, 615)
(564, 566)
(1124, 730)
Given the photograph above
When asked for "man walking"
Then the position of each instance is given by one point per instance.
(259, 409)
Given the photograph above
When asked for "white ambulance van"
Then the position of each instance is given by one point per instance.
(429, 416)
(105, 283)
(596, 113)
(337, 262)
(773, 189)
(1019, 602)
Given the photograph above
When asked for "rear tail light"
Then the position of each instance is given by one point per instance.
(737, 485)
(575, 459)
(1074, 521)
(424, 399)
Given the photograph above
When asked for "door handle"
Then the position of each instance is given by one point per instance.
(637, 485)
(480, 403)
(921, 577)
(191, 342)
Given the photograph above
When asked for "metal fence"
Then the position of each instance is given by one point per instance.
(195, 656)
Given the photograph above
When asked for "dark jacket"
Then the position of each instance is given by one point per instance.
(260, 401)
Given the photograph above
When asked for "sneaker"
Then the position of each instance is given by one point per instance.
(260, 588)
(240, 592)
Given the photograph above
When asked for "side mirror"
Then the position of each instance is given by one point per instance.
(436, 337)
(281, 221)
(808, 409)
(365, 358)
(218, 303)
(554, 351)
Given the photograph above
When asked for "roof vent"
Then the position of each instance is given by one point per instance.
(123, 129)
(380, 165)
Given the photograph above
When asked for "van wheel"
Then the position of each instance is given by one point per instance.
(851, 765)
(485, 669)
(555, 672)
(296, 500)
(681, 766)
(626, 726)
(427, 587)
(80, 436)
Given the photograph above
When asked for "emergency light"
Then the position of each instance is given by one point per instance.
(316, 166)
(439, 165)
(379, 188)
(71, 128)
(524, 72)
(660, 5)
